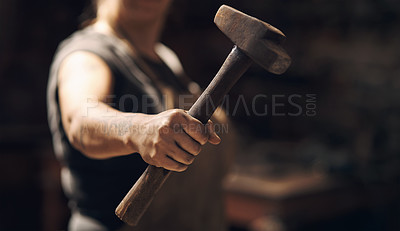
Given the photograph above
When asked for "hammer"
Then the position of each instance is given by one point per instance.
(255, 41)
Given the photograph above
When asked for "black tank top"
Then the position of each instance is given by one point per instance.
(95, 187)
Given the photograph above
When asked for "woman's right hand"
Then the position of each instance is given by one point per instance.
(172, 139)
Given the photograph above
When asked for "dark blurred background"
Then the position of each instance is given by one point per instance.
(319, 145)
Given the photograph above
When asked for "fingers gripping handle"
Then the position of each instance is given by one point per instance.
(139, 197)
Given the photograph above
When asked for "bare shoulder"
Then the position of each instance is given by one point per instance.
(87, 72)
(83, 63)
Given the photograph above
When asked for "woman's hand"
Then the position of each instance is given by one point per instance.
(172, 139)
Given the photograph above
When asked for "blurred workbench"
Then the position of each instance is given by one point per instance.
(296, 200)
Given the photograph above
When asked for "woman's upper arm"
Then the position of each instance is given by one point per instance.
(84, 79)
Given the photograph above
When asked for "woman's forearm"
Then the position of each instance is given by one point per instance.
(103, 132)
(170, 139)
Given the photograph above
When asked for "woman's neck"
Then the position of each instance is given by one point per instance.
(142, 39)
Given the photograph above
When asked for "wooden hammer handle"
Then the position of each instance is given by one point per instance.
(139, 197)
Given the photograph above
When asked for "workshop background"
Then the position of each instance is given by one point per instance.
(319, 145)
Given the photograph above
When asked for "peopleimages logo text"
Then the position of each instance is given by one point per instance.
(258, 105)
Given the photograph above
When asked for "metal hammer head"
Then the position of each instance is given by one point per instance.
(257, 39)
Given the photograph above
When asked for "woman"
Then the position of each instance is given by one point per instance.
(109, 86)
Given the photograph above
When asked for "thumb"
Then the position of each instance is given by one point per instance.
(213, 137)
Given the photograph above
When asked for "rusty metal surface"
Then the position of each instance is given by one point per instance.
(257, 39)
